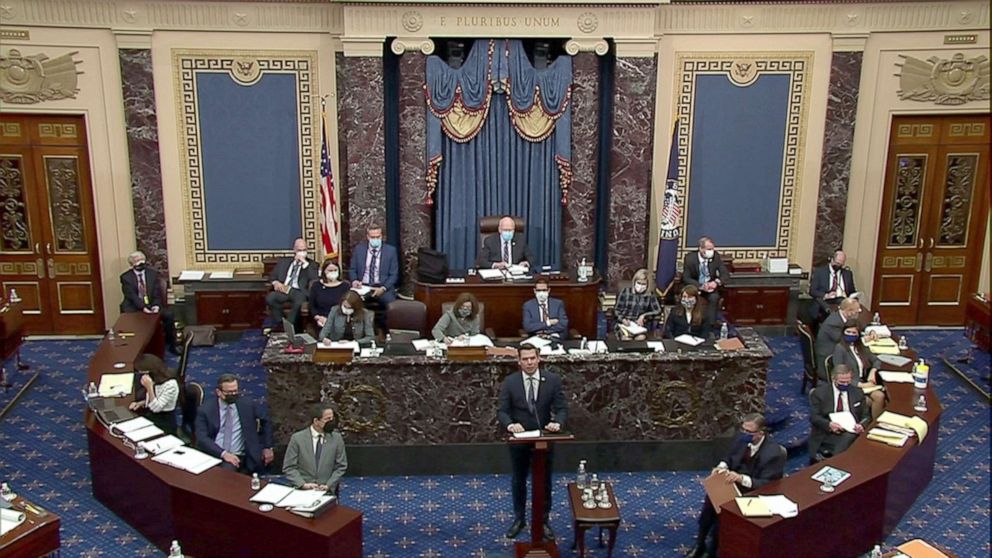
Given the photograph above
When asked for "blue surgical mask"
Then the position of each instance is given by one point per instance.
(843, 387)
(375, 242)
(745, 438)
(851, 337)
(506, 235)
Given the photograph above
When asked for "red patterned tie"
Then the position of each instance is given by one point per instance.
(840, 403)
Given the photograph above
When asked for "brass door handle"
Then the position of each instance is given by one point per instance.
(51, 268)
(931, 243)
(919, 262)
(929, 264)
(37, 248)
(919, 245)
(41, 268)
(48, 247)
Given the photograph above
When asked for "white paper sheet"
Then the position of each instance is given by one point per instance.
(687, 339)
(9, 519)
(527, 434)
(845, 419)
(633, 329)
(657, 346)
(477, 340)
(187, 459)
(548, 351)
(598, 347)
(222, 274)
(891, 377)
(301, 498)
(191, 275)
(781, 505)
(116, 385)
(136, 423)
(353, 345)
(536, 341)
(491, 273)
(879, 330)
(517, 269)
(162, 445)
(894, 360)
(363, 290)
(144, 433)
(271, 493)
(421, 344)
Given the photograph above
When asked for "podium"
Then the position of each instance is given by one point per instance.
(537, 547)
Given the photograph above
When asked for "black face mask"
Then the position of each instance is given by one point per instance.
(330, 426)
(230, 399)
(140, 267)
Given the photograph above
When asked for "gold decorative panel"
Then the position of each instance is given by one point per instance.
(949, 262)
(16, 236)
(915, 131)
(22, 268)
(966, 129)
(57, 130)
(959, 188)
(72, 268)
(10, 129)
(911, 171)
(899, 262)
(62, 176)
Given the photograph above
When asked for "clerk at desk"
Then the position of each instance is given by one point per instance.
(543, 315)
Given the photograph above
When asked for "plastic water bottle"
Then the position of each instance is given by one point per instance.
(876, 319)
(724, 331)
(13, 296)
(876, 552)
(256, 483)
(111, 336)
(91, 390)
(175, 551)
(580, 477)
(584, 344)
(5, 492)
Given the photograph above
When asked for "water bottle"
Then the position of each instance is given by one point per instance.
(13, 296)
(111, 336)
(921, 404)
(91, 390)
(876, 319)
(876, 552)
(580, 477)
(175, 551)
(724, 331)
(921, 374)
(5, 492)
(583, 344)
(256, 483)
(594, 481)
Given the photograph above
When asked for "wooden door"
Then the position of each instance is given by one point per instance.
(48, 247)
(932, 225)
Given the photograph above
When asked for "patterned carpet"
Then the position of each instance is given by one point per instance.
(44, 457)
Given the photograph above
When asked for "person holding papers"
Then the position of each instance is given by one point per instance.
(375, 265)
(315, 457)
(506, 248)
(530, 400)
(234, 428)
(829, 284)
(833, 432)
(831, 332)
(851, 353)
(635, 307)
(326, 293)
(754, 460)
(543, 315)
(161, 392)
(689, 317)
(461, 321)
(290, 279)
(348, 321)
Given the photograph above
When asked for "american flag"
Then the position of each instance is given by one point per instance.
(328, 203)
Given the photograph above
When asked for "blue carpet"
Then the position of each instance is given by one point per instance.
(44, 457)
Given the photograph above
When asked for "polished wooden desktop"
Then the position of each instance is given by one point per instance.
(37, 536)
(12, 330)
(505, 301)
(884, 483)
(208, 513)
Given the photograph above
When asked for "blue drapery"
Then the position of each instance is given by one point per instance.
(498, 142)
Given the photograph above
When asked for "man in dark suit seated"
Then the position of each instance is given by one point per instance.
(374, 264)
(705, 269)
(531, 399)
(234, 428)
(315, 457)
(291, 278)
(543, 315)
(504, 248)
(142, 293)
(841, 394)
(830, 284)
(754, 461)
(832, 331)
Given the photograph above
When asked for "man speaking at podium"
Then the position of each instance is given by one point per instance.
(530, 400)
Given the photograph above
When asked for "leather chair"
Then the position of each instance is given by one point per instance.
(807, 342)
(490, 225)
(407, 319)
(193, 398)
(488, 331)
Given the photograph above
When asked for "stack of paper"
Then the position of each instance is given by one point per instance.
(136, 423)
(845, 419)
(300, 498)
(9, 519)
(491, 274)
(421, 344)
(886, 436)
(891, 377)
(753, 507)
(894, 360)
(691, 340)
(362, 291)
(657, 346)
(548, 351)
(162, 445)
(328, 344)
(866, 389)
(536, 341)
(272, 493)
(633, 329)
(191, 275)
(517, 269)
(116, 385)
(187, 459)
(143, 433)
(885, 346)
(477, 340)
(879, 330)
(229, 274)
(781, 505)
(916, 424)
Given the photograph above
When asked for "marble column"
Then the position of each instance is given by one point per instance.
(838, 140)
(361, 139)
(142, 142)
(578, 217)
(630, 166)
(416, 217)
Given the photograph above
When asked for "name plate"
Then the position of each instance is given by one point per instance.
(337, 356)
(466, 354)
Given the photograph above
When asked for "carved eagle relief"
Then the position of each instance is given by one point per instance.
(953, 81)
(36, 78)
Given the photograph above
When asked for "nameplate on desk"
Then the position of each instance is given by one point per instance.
(334, 355)
(467, 354)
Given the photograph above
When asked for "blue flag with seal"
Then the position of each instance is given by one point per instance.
(671, 213)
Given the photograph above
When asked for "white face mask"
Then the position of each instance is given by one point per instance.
(640, 288)
(542, 296)
(302, 254)
(708, 254)
(332, 275)
(347, 311)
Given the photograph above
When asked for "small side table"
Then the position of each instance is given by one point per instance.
(583, 519)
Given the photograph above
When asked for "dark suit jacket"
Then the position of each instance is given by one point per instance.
(389, 268)
(842, 355)
(492, 251)
(129, 286)
(556, 310)
(690, 269)
(831, 332)
(256, 430)
(551, 403)
(768, 465)
(678, 324)
(300, 466)
(822, 403)
(307, 274)
(337, 323)
(820, 282)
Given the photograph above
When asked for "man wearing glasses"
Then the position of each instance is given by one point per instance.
(754, 461)
(315, 457)
(234, 428)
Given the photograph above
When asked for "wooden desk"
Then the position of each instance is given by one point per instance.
(884, 483)
(37, 536)
(505, 301)
(584, 519)
(11, 329)
(977, 318)
(208, 513)
(227, 304)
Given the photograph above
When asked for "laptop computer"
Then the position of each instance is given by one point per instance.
(628, 346)
(109, 411)
(297, 340)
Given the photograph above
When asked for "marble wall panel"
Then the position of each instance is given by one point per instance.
(835, 169)
(361, 141)
(578, 217)
(631, 166)
(146, 170)
(416, 217)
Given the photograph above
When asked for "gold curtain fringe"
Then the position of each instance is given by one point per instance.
(564, 177)
(433, 169)
(461, 124)
(536, 123)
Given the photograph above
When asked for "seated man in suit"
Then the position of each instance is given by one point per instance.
(291, 278)
(530, 400)
(315, 457)
(827, 438)
(754, 461)
(829, 285)
(543, 315)
(704, 268)
(375, 264)
(143, 294)
(832, 331)
(234, 428)
(504, 248)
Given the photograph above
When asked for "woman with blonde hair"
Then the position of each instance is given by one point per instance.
(636, 305)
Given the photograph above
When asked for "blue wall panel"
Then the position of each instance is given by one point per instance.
(738, 136)
(251, 161)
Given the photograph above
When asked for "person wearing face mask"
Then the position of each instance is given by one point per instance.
(234, 428)
(142, 293)
(461, 321)
(635, 305)
(544, 315)
(158, 394)
(374, 264)
(315, 457)
(865, 365)
(705, 270)
(327, 292)
(689, 316)
(505, 248)
(754, 460)
(290, 279)
(829, 284)
(348, 321)
(832, 330)
(840, 394)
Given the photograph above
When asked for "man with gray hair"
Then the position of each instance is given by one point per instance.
(705, 269)
(827, 437)
(142, 293)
